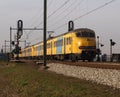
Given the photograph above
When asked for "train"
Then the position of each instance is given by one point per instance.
(78, 44)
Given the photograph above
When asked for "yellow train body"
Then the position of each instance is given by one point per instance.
(74, 45)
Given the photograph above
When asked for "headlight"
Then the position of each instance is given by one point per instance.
(79, 43)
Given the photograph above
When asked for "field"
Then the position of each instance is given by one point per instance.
(27, 80)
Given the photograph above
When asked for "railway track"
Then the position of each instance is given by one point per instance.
(102, 65)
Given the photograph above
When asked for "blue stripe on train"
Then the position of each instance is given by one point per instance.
(59, 45)
(59, 50)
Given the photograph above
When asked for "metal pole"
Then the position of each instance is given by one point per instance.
(111, 53)
(98, 58)
(5, 46)
(25, 43)
(10, 39)
(111, 50)
(2, 49)
(45, 29)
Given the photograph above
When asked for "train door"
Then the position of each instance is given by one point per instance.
(59, 45)
(64, 46)
(51, 49)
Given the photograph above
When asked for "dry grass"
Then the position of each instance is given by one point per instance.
(25, 80)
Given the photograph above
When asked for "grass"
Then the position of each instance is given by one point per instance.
(24, 80)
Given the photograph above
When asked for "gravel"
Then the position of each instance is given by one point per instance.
(108, 77)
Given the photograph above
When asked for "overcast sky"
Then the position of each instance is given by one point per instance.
(105, 21)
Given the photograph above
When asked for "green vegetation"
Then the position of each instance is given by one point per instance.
(25, 80)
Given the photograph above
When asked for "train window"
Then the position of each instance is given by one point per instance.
(85, 34)
(29, 50)
(92, 34)
(59, 42)
(64, 41)
(78, 34)
(48, 45)
(40, 47)
(54, 44)
(70, 40)
(51, 45)
(37, 48)
(67, 41)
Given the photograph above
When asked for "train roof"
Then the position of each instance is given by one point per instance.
(76, 30)
(83, 29)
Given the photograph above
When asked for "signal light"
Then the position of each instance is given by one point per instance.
(101, 45)
(70, 25)
(112, 42)
(19, 29)
(17, 50)
(13, 43)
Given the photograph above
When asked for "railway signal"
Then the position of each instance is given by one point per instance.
(13, 43)
(19, 34)
(112, 43)
(70, 25)
(19, 29)
(98, 48)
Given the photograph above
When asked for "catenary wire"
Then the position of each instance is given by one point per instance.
(99, 7)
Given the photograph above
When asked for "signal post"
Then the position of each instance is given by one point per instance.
(19, 34)
(112, 43)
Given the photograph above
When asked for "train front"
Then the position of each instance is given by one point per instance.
(85, 44)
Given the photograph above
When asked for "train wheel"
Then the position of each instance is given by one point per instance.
(90, 60)
(73, 58)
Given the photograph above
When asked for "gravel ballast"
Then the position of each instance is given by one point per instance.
(108, 77)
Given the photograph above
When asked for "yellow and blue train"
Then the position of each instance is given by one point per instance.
(79, 44)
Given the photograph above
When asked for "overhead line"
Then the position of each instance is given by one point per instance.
(87, 13)
(94, 10)
(55, 11)
(69, 12)
(40, 15)
(58, 8)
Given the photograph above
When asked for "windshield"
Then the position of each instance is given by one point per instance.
(85, 34)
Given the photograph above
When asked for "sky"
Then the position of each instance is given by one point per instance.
(105, 21)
